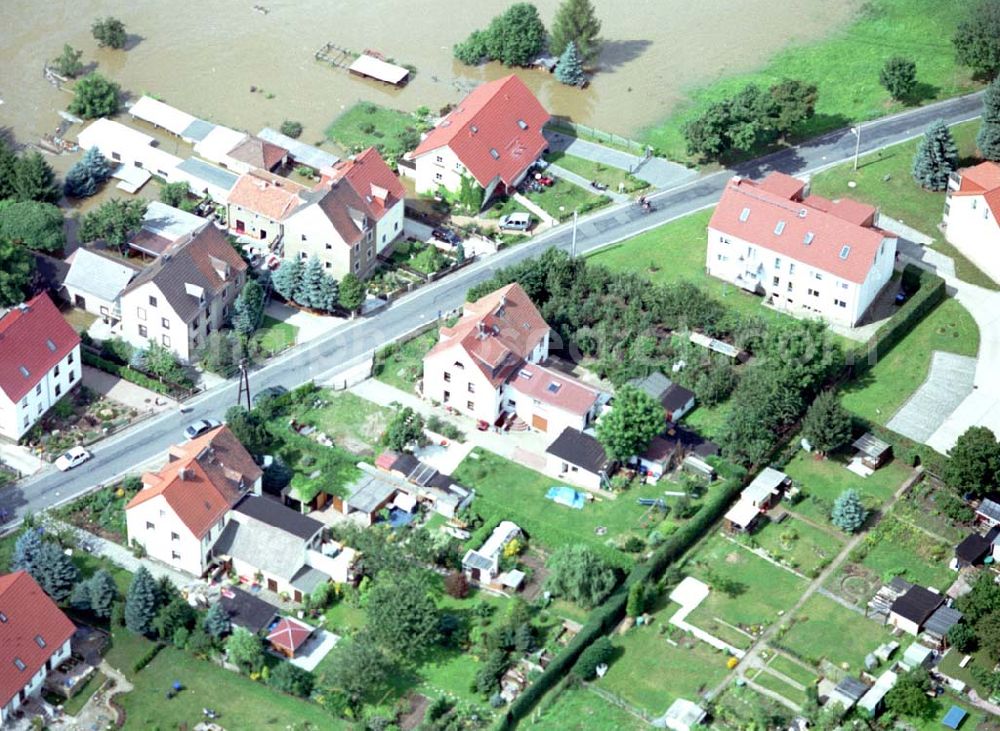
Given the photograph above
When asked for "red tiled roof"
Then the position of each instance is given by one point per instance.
(289, 634)
(28, 620)
(259, 153)
(269, 195)
(553, 388)
(484, 130)
(498, 331)
(374, 182)
(829, 226)
(204, 479)
(34, 337)
(783, 186)
(386, 460)
(982, 179)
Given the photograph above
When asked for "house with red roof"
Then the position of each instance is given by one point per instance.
(260, 203)
(494, 136)
(182, 509)
(971, 215)
(34, 640)
(352, 216)
(288, 635)
(491, 367)
(804, 253)
(40, 354)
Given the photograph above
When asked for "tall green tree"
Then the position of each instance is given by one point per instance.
(329, 294)
(216, 621)
(16, 268)
(977, 39)
(635, 418)
(102, 592)
(405, 428)
(310, 291)
(287, 278)
(109, 32)
(32, 224)
(248, 308)
(988, 138)
(114, 221)
(33, 179)
(827, 425)
(86, 175)
(899, 77)
(359, 668)
(791, 102)
(141, 602)
(292, 679)
(54, 571)
(470, 194)
(8, 167)
(172, 616)
(174, 194)
(249, 428)
(162, 363)
(68, 64)
(578, 574)
(352, 292)
(576, 22)
(402, 616)
(95, 96)
(515, 38)
(27, 547)
(849, 513)
(908, 697)
(973, 464)
(569, 70)
(598, 653)
(936, 157)
(245, 650)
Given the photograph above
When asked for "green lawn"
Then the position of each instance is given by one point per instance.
(652, 673)
(761, 589)
(422, 257)
(579, 709)
(607, 174)
(507, 490)
(949, 666)
(402, 364)
(845, 67)
(802, 546)
(72, 706)
(275, 336)
(941, 707)
(707, 420)
(823, 629)
(562, 198)
(792, 669)
(242, 703)
(366, 125)
(505, 206)
(883, 179)
(896, 548)
(354, 423)
(779, 686)
(879, 393)
(823, 480)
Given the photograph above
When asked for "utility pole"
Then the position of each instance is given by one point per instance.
(574, 235)
(244, 384)
(857, 143)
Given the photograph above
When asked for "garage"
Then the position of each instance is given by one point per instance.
(539, 422)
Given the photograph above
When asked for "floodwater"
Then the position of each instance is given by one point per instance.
(204, 57)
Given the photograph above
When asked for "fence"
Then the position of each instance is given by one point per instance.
(584, 132)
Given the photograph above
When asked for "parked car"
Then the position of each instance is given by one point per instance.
(74, 457)
(515, 222)
(446, 235)
(269, 392)
(197, 428)
(901, 297)
(544, 180)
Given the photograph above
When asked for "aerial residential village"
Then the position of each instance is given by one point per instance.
(477, 416)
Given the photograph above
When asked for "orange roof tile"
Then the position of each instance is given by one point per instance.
(203, 480)
(372, 180)
(33, 339)
(554, 388)
(259, 153)
(269, 195)
(982, 179)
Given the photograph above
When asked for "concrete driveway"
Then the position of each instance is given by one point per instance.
(949, 382)
(656, 171)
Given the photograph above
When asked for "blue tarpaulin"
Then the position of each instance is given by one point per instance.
(954, 717)
(566, 496)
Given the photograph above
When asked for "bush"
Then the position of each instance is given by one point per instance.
(598, 653)
(291, 679)
(291, 128)
(125, 372)
(146, 657)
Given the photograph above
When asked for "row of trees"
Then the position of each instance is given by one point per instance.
(517, 36)
(309, 285)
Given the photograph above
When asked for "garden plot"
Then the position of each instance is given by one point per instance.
(894, 548)
(580, 709)
(799, 545)
(825, 630)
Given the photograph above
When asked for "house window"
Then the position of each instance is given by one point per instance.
(329, 247)
(24, 402)
(843, 285)
(40, 409)
(447, 377)
(72, 377)
(328, 265)
(150, 526)
(383, 238)
(447, 397)
(165, 323)
(818, 276)
(775, 281)
(472, 388)
(777, 262)
(166, 341)
(459, 365)
(357, 266)
(38, 390)
(789, 286)
(152, 301)
(791, 268)
(69, 360)
(303, 255)
(174, 536)
(357, 248)
(56, 371)
(470, 405)
(840, 303)
(438, 176)
(58, 389)
(140, 312)
(395, 226)
(723, 257)
(174, 556)
(370, 250)
(439, 159)
(142, 331)
(25, 421)
(303, 237)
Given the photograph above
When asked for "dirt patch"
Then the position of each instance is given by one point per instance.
(534, 561)
(374, 426)
(412, 718)
(857, 584)
(733, 557)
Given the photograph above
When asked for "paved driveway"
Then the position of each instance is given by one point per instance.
(656, 171)
(949, 382)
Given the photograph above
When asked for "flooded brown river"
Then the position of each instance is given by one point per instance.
(204, 56)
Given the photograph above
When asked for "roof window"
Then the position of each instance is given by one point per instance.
(39, 640)
(554, 387)
(474, 129)
(744, 214)
(24, 371)
(19, 664)
(808, 238)
(3, 618)
(494, 154)
(779, 227)
(50, 345)
(845, 250)
(523, 373)
(522, 124)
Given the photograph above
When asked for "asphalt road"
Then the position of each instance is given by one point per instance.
(354, 342)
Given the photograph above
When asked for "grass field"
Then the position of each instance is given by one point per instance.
(579, 709)
(822, 481)
(823, 629)
(241, 702)
(651, 673)
(883, 179)
(803, 546)
(275, 336)
(779, 686)
(845, 67)
(880, 392)
(900, 549)
(403, 365)
(761, 589)
(354, 423)
(562, 198)
(792, 669)
(610, 176)
(707, 421)
(369, 125)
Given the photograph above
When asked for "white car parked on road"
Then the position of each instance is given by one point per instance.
(74, 457)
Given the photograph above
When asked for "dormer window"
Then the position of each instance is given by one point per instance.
(522, 124)
(494, 154)
(39, 640)
(845, 251)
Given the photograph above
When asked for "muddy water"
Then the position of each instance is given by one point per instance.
(205, 56)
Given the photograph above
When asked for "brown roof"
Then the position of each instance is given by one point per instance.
(834, 236)
(498, 331)
(259, 153)
(346, 211)
(268, 195)
(32, 629)
(203, 479)
(207, 260)
(372, 180)
(553, 388)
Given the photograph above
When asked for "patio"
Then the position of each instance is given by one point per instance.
(312, 651)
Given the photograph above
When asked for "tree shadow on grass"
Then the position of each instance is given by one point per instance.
(132, 40)
(922, 92)
(617, 53)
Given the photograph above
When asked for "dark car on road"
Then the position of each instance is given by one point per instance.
(268, 393)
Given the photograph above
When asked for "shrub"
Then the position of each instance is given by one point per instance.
(146, 657)
(598, 653)
(291, 128)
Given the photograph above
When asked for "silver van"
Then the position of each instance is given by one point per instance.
(515, 222)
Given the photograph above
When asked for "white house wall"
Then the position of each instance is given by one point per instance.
(34, 685)
(972, 228)
(16, 419)
(186, 553)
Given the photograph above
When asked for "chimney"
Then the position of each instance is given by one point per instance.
(184, 473)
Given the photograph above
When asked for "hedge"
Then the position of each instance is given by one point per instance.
(930, 293)
(147, 657)
(125, 372)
